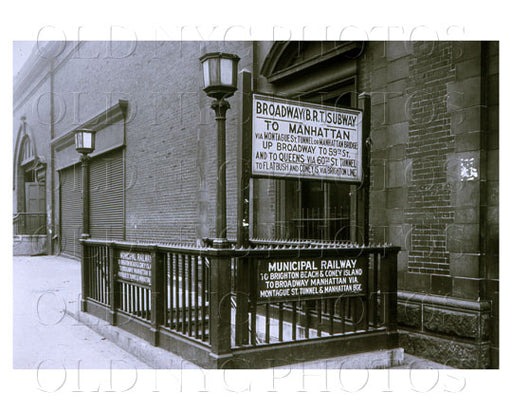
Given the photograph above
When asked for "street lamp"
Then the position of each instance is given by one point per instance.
(85, 141)
(220, 76)
(84, 144)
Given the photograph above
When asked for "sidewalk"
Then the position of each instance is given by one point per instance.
(47, 333)
(45, 288)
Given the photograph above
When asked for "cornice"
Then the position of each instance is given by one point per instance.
(100, 121)
(38, 68)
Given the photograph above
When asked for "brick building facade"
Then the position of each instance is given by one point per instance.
(434, 162)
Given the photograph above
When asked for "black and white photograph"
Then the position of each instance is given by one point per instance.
(267, 200)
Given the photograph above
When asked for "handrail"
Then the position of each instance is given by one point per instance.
(254, 247)
(255, 250)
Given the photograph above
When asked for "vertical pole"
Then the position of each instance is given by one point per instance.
(85, 196)
(84, 265)
(85, 229)
(157, 293)
(388, 278)
(244, 160)
(220, 306)
(363, 194)
(114, 295)
(50, 175)
(220, 285)
(244, 173)
(220, 107)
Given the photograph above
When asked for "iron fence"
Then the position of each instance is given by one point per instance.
(206, 304)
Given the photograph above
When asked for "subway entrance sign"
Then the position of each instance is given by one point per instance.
(300, 279)
(295, 139)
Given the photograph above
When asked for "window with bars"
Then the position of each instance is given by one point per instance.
(320, 209)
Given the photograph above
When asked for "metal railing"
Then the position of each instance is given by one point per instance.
(206, 304)
(160, 286)
(29, 223)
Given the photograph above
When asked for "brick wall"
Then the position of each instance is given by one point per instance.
(170, 131)
(426, 131)
(430, 212)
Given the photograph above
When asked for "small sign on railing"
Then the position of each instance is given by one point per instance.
(288, 280)
(134, 267)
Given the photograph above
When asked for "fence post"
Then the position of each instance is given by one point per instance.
(157, 293)
(84, 265)
(242, 301)
(114, 295)
(388, 265)
(220, 306)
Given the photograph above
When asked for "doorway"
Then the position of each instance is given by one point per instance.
(30, 217)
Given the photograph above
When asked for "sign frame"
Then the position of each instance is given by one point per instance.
(361, 262)
(125, 264)
(335, 179)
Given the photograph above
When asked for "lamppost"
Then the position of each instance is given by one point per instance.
(220, 78)
(84, 144)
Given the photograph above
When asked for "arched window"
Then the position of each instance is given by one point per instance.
(27, 152)
(288, 61)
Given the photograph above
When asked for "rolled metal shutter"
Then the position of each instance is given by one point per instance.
(70, 184)
(106, 196)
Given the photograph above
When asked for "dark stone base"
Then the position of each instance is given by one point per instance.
(453, 332)
(448, 352)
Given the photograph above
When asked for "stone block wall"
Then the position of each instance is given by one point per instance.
(490, 205)
(434, 190)
(453, 332)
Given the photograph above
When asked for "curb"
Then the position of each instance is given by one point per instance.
(155, 357)
(158, 358)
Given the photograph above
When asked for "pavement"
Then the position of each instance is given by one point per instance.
(47, 334)
(46, 292)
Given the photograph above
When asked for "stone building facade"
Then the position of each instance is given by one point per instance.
(434, 162)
